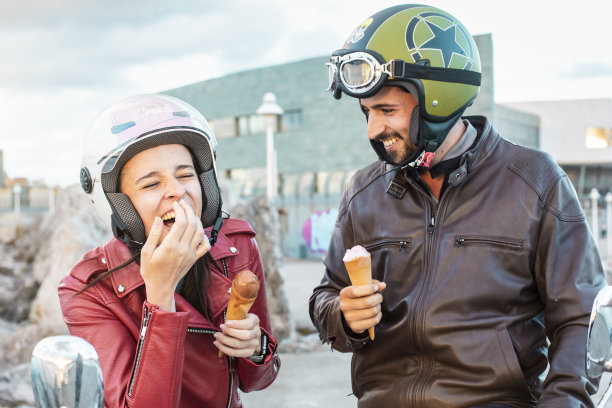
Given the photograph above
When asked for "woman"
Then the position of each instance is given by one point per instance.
(152, 300)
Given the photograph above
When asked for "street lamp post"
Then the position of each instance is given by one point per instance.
(594, 196)
(17, 198)
(270, 110)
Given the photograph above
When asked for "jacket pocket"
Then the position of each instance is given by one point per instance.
(510, 243)
(512, 362)
(400, 243)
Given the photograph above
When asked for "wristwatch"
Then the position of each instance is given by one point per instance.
(258, 359)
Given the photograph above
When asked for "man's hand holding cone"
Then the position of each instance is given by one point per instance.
(360, 303)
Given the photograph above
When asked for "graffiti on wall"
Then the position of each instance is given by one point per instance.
(317, 229)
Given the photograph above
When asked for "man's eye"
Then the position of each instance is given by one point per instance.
(150, 185)
(186, 176)
(365, 111)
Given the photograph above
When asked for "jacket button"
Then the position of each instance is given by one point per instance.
(103, 261)
(233, 250)
(121, 289)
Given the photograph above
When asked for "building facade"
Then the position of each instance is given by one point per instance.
(578, 134)
(320, 142)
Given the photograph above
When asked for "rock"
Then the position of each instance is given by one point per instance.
(264, 220)
(17, 285)
(16, 347)
(16, 387)
(67, 234)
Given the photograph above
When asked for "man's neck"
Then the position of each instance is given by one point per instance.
(451, 140)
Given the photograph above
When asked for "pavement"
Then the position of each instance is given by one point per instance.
(311, 374)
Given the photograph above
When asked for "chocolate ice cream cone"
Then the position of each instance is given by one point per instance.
(243, 293)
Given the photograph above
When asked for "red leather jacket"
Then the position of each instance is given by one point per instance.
(151, 358)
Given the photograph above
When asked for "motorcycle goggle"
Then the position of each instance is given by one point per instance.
(361, 74)
(358, 74)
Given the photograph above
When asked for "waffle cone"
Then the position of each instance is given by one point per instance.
(239, 305)
(360, 273)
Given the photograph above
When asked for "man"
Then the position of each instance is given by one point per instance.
(488, 268)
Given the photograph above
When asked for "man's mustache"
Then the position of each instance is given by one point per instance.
(386, 135)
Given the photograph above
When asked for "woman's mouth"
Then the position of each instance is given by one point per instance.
(168, 218)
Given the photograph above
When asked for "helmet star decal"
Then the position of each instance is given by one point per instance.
(441, 38)
(439, 33)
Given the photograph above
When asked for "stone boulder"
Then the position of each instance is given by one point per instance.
(66, 234)
(264, 219)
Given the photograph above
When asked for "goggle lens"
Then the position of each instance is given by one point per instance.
(356, 73)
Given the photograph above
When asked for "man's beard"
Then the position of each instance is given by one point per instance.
(397, 157)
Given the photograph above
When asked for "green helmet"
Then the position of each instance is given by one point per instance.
(421, 48)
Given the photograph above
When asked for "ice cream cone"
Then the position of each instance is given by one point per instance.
(243, 293)
(360, 272)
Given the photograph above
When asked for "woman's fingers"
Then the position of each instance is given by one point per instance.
(191, 225)
(240, 338)
(153, 239)
(203, 247)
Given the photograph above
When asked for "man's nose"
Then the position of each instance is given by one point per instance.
(375, 126)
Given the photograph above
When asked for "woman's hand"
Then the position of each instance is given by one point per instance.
(163, 265)
(240, 338)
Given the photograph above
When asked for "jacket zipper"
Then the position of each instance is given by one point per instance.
(143, 332)
(229, 359)
(226, 273)
(401, 243)
(200, 331)
(461, 241)
(231, 381)
(425, 367)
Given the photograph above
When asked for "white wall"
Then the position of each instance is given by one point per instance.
(563, 127)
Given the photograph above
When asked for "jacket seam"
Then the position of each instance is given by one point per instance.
(358, 190)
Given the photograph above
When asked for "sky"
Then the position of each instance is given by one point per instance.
(64, 61)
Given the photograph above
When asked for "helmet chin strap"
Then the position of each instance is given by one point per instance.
(214, 232)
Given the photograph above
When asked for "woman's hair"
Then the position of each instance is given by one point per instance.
(194, 286)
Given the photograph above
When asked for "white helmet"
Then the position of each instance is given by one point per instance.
(129, 127)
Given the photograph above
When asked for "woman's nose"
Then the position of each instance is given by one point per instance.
(174, 188)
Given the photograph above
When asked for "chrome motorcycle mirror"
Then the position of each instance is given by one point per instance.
(599, 340)
(66, 373)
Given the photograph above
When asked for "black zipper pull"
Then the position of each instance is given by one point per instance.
(432, 225)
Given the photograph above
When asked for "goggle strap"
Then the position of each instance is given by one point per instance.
(400, 70)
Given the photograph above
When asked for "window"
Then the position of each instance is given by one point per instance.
(224, 127)
(291, 120)
(598, 138)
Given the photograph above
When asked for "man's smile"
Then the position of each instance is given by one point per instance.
(389, 142)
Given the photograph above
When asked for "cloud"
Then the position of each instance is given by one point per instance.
(90, 46)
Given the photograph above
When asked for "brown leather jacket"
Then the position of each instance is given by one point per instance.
(476, 284)
(151, 358)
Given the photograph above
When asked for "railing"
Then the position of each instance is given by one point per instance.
(598, 211)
